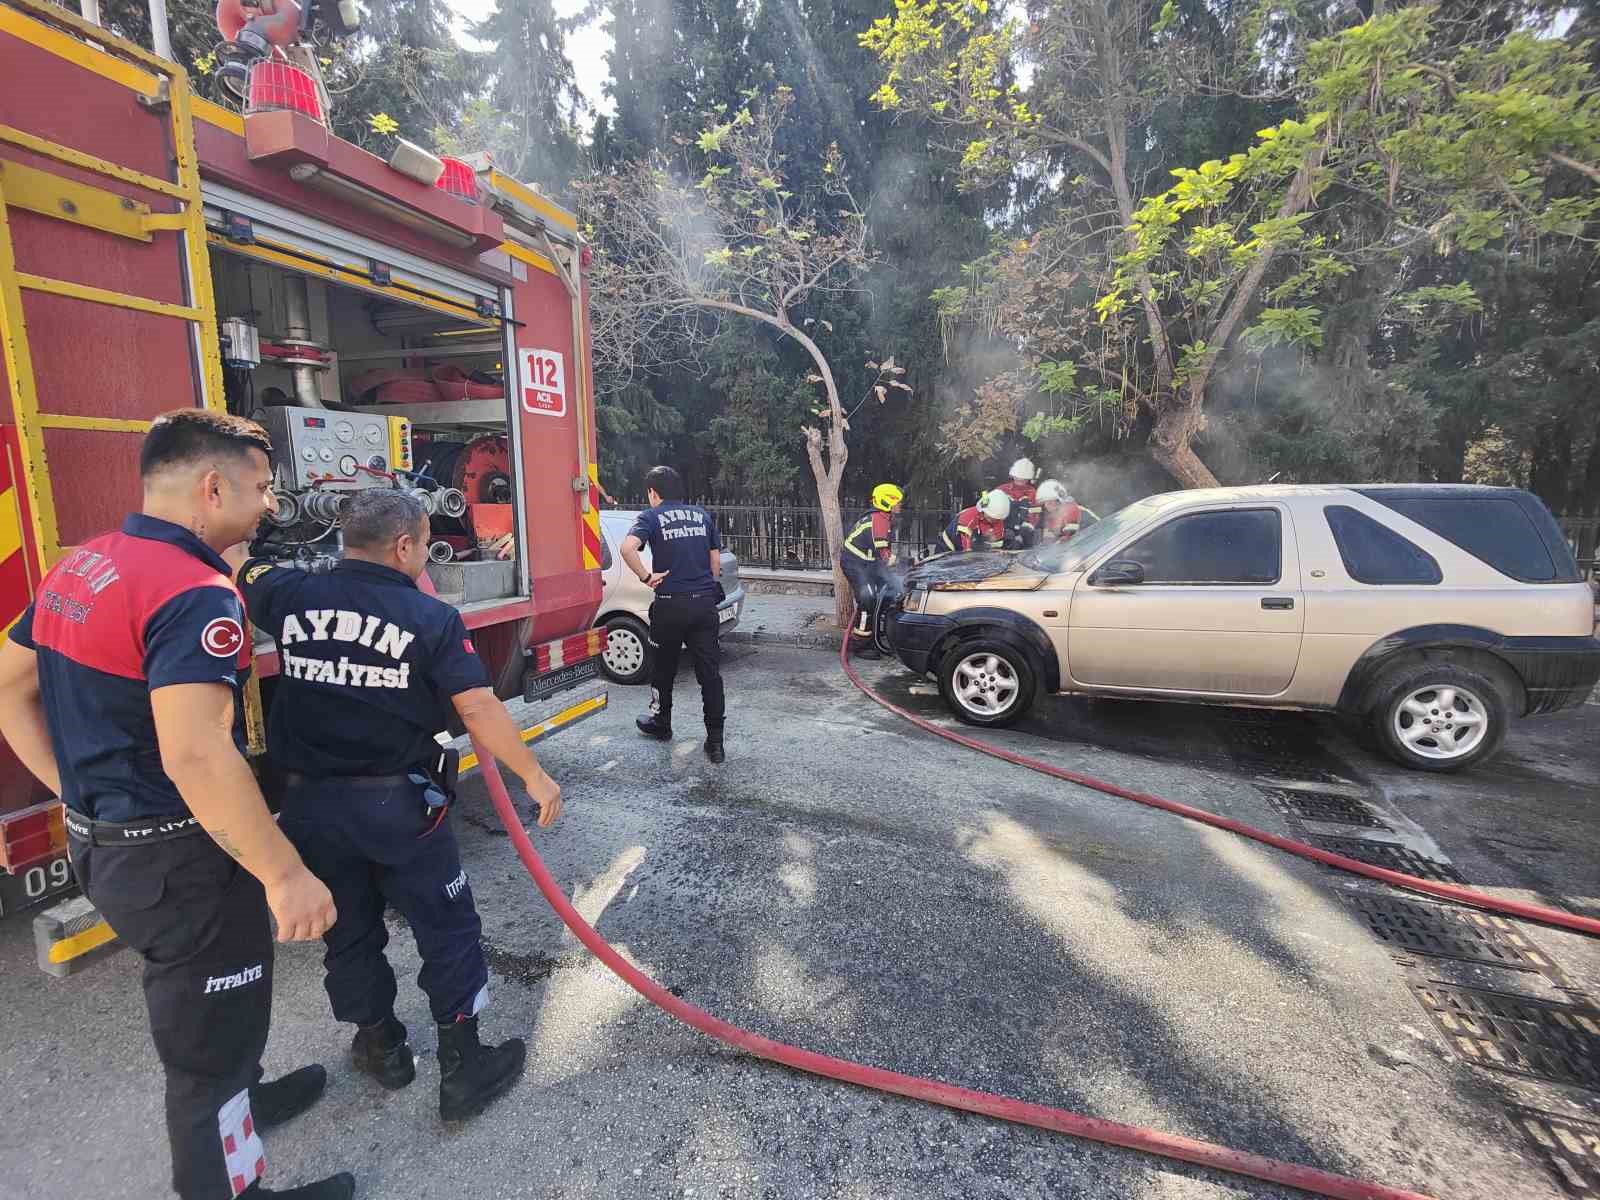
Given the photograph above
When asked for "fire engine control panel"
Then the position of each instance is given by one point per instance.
(336, 450)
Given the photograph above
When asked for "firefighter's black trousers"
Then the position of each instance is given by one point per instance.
(373, 844)
(200, 923)
(868, 581)
(676, 622)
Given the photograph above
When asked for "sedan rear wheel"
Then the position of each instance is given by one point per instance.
(626, 658)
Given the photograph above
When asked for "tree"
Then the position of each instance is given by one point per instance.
(739, 242)
(1447, 140)
(529, 119)
(403, 64)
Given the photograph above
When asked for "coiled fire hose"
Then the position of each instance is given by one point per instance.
(1446, 891)
(1132, 1137)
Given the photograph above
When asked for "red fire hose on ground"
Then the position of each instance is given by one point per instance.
(1445, 891)
(1132, 1137)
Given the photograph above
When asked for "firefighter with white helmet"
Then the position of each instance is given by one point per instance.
(1023, 524)
(981, 526)
(866, 558)
(1061, 514)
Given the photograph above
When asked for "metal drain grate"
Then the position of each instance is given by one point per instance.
(1444, 931)
(1538, 1038)
(1322, 806)
(1569, 1148)
(1392, 856)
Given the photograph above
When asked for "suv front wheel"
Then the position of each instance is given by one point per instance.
(1440, 716)
(987, 681)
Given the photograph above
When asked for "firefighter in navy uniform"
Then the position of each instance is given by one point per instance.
(121, 689)
(686, 557)
(865, 560)
(369, 667)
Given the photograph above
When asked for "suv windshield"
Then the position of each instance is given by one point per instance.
(1068, 556)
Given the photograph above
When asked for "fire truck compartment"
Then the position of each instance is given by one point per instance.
(362, 388)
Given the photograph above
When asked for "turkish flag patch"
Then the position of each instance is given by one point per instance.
(222, 638)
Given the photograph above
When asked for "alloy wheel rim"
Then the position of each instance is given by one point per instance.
(985, 684)
(1441, 722)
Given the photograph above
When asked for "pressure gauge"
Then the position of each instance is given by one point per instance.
(326, 454)
(344, 431)
(348, 464)
(309, 454)
(373, 434)
(377, 463)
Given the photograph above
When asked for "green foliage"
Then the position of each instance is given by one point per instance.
(1285, 327)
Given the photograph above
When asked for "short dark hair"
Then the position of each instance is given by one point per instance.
(187, 435)
(664, 482)
(373, 518)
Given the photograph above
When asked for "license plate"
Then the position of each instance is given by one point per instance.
(542, 687)
(35, 884)
(727, 614)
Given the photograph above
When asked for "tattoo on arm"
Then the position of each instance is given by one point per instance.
(223, 840)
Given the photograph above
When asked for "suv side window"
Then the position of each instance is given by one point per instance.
(1236, 546)
(1374, 553)
(1495, 531)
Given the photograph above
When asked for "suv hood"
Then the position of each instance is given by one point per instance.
(989, 571)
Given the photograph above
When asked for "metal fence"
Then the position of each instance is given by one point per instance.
(1583, 535)
(785, 537)
(791, 536)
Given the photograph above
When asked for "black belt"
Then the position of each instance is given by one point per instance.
(296, 779)
(130, 833)
(687, 595)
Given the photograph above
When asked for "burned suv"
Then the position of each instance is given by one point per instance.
(1436, 612)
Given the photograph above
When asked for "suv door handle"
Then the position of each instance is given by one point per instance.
(1277, 602)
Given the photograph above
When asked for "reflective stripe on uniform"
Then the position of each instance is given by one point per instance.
(862, 526)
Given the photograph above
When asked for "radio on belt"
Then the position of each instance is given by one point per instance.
(315, 446)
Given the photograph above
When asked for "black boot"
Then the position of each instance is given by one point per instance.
(714, 744)
(656, 725)
(381, 1050)
(273, 1103)
(472, 1075)
(335, 1187)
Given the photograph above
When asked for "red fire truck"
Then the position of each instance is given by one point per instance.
(405, 322)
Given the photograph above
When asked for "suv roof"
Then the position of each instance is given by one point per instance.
(1502, 542)
(1375, 490)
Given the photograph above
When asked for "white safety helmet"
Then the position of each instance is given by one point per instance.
(1024, 470)
(995, 505)
(1051, 491)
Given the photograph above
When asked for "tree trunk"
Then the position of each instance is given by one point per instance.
(828, 474)
(1171, 441)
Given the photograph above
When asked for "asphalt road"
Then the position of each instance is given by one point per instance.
(857, 887)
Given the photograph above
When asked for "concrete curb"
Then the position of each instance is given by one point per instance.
(829, 642)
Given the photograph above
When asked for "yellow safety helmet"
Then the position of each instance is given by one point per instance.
(887, 497)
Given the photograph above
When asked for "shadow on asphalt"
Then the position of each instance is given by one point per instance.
(984, 971)
(973, 974)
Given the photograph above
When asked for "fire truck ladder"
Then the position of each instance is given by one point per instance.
(65, 199)
(162, 88)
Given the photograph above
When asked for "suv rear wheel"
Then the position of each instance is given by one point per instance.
(1440, 716)
(987, 681)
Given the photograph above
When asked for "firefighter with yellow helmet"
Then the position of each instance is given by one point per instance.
(866, 558)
